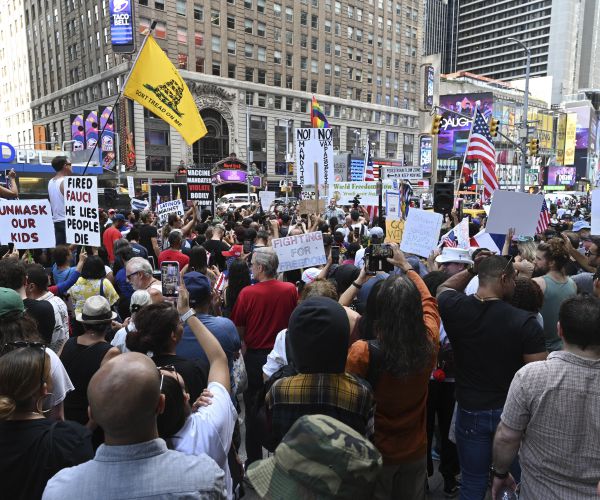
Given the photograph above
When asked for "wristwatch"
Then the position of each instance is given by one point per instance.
(185, 316)
(357, 285)
(499, 475)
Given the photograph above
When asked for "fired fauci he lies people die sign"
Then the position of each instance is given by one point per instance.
(81, 210)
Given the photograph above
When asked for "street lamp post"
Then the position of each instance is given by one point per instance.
(525, 129)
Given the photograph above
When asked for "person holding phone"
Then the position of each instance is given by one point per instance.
(138, 272)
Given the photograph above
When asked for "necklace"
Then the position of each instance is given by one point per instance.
(485, 299)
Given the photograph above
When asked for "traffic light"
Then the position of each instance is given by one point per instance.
(436, 125)
(494, 127)
(534, 147)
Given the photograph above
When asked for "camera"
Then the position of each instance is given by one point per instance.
(376, 257)
(355, 202)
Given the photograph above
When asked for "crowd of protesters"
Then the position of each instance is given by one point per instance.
(344, 381)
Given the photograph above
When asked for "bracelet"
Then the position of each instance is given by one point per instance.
(355, 284)
(185, 316)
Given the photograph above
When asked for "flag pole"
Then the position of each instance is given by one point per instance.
(119, 95)
(466, 150)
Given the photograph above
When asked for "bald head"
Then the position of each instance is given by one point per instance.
(124, 397)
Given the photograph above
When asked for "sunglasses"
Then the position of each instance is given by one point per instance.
(128, 276)
(20, 344)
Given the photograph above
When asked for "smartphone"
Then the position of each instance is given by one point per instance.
(369, 267)
(356, 233)
(335, 254)
(247, 248)
(381, 251)
(170, 278)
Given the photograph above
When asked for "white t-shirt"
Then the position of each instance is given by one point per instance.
(61, 383)
(121, 336)
(61, 321)
(209, 431)
(277, 358)
(359, 258)
(57, 199)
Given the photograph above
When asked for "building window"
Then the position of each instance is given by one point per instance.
(231, 47)
(260, 6)
(289, 81)
(277, 10)
(182, 60)
(289, 37)
(262, 54)
(249, 50)
(216, 69)
(249, 98)
(289, 104)
(314, 21)
(277, 79)
(198, 13)
(181, 35)
(200, 64)
(231, 71)
(160, 31)
(249, 77)
(216, 43)
(181, 7)
(231, 22)
(159, 4)
(314, 85)
(198, 39)
(289, 14)
(262, 100)
(215, 18)
(303, 18)
(289, 59)
(277, 57)
(249, 26)
(248, 4)
(314, 43)
(260, 29)
(262, 76)
(303, 84)
(158, 163)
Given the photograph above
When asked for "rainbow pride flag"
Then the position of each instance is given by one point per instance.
(317, 116)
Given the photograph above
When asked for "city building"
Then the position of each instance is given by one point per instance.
(252, 66)
(441, 32)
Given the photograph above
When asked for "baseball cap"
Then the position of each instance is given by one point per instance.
(320, 458)
(119, 217)
(581, 224)
(197, 285)
(10, 301)
(309, 275)
(234, 251)
(376, 232)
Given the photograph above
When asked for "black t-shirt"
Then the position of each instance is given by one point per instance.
(147, 232)
(43, 313)
(194, 372)
(32, 451)
(489, 340)
(214, 248)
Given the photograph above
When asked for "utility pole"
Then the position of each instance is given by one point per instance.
(525, 125)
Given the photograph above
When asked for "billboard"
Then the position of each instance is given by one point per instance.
(561, 130)
(107, 142)
(582, 134)
(545, 124)
(570, 138)
(121, 25)
(425, 154)
(428, 90)
(77, 132)
(454, 131)
(561, 176)
(91, 129)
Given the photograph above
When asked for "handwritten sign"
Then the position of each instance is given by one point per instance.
(266, 198)
(392, 205)
(81, 210)
(421, 232)
(394, 230)
(297, 252)
(462, 234)
(169, 207)
(513, 209)
(314, 145)
(27, 223)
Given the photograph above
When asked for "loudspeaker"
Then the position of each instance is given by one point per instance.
(443, 197)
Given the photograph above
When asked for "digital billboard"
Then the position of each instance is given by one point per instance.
(425, 154)
(561, 176)
(454, 130)
(121, 25)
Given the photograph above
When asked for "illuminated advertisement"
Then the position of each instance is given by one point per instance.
(425, 154)
(582, 134)
(561, 131)
(570, 138)
(561, 176)
(454, 130)
(121, 25)
(77, 132)
(429, 83)
(237, 176)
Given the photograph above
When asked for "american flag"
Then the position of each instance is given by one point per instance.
(369, 176)
(481, 147)
(544, 220)
(373, 211)
(449, 240)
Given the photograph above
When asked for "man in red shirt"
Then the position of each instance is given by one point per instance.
(260, 312)
(174, 253)
(112, 234)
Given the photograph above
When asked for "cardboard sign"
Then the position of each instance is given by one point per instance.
(421, 232)
(346, 191)
(131, 187)
(297, 252)
(200, 188)
(314, 145)
(393, 231)
(462, 234)
(169, 207)
(266, 198)
(512, 209)
(27, 223)
(81, 210)
(596, 211)
(312, 206)
(392, 205)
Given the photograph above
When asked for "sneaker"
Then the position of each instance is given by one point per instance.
(435, 455)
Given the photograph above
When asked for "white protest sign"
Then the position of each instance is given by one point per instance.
(485, 240)
(314, 145)
(402, 173)
(139, 204)
(462, 234)
(346, 191)
(81, 210)
(266, 198)
(169, 207)
(596, 211)
(131, 186)
(301, 251)
(27, 223)
(512, 209)
(421, 232)
(392, 205)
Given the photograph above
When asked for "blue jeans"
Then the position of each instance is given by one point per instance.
(474, 438)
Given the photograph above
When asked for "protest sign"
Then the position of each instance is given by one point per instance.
(200, 188)
(301, 251)
(421, 232)
(266, 198)
(392, 205)
(27, 223)
(513, 209)
(81, 210)
(462, 234)
(485, 240)
(596, 211)
(131, 187)
(314, 145)
(169, 207)
(346, 191)
(393, 231)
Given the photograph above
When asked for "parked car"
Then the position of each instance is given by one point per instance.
(237, 200)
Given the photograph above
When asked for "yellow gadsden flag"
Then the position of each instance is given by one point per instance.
(157, 85)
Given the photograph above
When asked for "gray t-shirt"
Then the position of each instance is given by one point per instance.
(584, 282)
